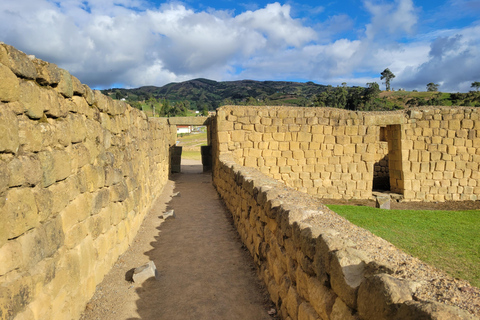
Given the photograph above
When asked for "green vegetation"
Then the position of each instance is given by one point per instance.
(179, 99)
(191, 144)
(449, 240)
(204, 94)
(388, 76)
(432, 86)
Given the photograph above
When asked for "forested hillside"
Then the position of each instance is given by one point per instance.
(175, 99)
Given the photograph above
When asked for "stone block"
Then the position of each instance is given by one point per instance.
(292, 302)
(12, 258)
(145, 272)
(340, 311)
(382, 202)
(20, 211)
(18, 62)
(9, 85)
(16, 295)
(95, 177)
(379, 296)
(412, 310)
(31, 97)
(65, 86)
(48, 74)
(347, 268)
(168, 215)
(119, 192)
(61, 164)
(9, 139)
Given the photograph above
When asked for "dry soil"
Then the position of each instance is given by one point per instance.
(204, 271)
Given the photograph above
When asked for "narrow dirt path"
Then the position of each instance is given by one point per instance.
(203, 271)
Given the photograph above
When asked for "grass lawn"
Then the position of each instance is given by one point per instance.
(448, 240)
(192, 155)
(191, 145)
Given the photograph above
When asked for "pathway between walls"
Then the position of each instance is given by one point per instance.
(204, 272)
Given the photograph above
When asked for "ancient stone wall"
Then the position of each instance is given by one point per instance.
(429, 154)
(317, 265)
(440, 150)
(78, 173)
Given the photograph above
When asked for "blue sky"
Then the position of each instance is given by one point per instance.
(132, 43)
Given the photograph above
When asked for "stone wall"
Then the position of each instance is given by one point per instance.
(317, 265)
(441, 154)
(432, 154)
(78, 173)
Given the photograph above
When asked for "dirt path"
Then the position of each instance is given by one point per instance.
(203, 271)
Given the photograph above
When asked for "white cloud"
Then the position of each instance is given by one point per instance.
(391, 19)
(134, 43)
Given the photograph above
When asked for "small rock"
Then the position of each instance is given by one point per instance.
(272, 311)
(176, 194)
(168, 215)
(145, 272)
(383, 202)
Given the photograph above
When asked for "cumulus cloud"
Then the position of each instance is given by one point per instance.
(134, 43)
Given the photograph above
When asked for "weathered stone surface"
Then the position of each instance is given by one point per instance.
(21, 211)
(168, 215)
(24, 170)
(378, 295)
(78, 88)
(30, 95)
(321, 297)
(9, 85)
(292, 302)
(47, 165)
(89, 95)
(18, 62)
(413, 310)
(55, 199)
(77, 127)
(9, 141)
(382, 202)
(119, 192)
(4, 176)
(65, 86)
(61, 164)
(54, 108)
(11, 254)
(306, 312)
(347, 272)
(103, 102)
(48, 74)
(340, 311)
(145, 272)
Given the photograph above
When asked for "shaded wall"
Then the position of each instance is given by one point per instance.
(78, 173)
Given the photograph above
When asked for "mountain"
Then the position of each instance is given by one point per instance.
(200, 92)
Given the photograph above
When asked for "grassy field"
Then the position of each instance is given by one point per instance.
(191, 145)
(449, 240)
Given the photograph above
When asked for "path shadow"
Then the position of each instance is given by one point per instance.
(204, 273)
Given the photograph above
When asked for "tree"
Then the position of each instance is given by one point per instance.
(432, 86)
(387, 75)
(372, 91)
(476, 85)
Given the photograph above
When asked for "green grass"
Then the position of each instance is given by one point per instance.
(449, 240)
(191, 155)
(191, 145)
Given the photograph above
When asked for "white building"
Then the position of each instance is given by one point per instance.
(184, 129)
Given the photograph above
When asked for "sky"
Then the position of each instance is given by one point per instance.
(133, 43)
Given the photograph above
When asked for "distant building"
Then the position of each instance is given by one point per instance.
(184, 129)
